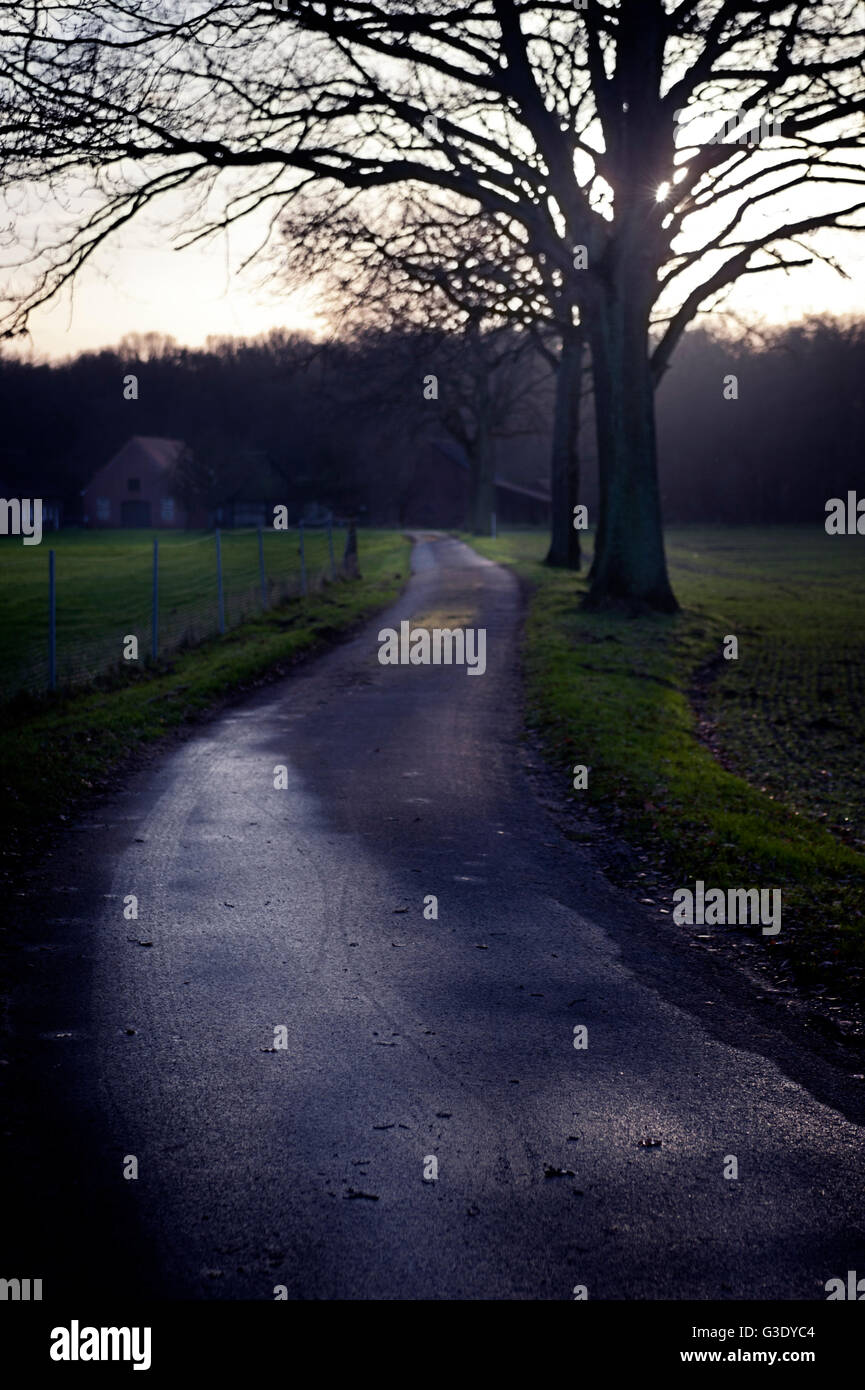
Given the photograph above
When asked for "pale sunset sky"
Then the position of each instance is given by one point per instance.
(137, 282)
(139, 287)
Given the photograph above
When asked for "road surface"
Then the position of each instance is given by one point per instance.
(407, 1039)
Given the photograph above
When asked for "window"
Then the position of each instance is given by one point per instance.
(166, 510)
(134, 484)
(103, 509)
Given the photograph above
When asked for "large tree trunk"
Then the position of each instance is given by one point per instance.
(599, 528)
(482, 481)
(482, 466)
(630, 568)
(564, 551)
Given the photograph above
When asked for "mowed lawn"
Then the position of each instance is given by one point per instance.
(742, 773)
(104, 592)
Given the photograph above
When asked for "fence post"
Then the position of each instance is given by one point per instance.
(330, 544)
(349, 559)
(219, 584)
(155, 619)
(52, 624)
(302, 561)
(261, 569)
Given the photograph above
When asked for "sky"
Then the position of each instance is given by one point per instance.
(140, 285)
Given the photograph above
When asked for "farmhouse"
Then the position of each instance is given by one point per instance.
(136, 487)
(438, 492)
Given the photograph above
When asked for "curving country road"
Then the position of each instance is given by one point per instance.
(407, 1038)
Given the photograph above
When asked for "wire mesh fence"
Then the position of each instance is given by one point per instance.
(66, 617)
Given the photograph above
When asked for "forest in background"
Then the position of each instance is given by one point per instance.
(341, 422)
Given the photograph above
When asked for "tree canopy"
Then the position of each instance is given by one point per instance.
(608, 138)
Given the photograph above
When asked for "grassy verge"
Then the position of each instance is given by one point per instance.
(763, 788)
(104, 591)
(56, 750)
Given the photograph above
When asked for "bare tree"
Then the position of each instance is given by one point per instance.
(463, 304)
(470, 267)
(492, 390)
(558, 119)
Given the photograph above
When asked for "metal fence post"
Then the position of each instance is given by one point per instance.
(219, 584)
(155, 619)
(261, 569)
(52, 624)
(302, 561)
(349, 560)
(330, 544)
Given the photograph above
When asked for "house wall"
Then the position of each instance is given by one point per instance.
(111, 499)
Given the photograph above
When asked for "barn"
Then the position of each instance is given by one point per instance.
(438, 493)
(135, 488)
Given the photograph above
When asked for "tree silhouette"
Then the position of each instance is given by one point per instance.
(470, 311)
(565, 122)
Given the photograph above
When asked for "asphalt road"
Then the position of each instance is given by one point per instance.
(407, 1038)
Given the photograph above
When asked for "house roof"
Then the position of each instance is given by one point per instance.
(534, 492)
(457, 454)
(141, 451)
(161, 452)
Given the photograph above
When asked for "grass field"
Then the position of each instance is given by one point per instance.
(55, 751)
(741, 773)
(104, 591)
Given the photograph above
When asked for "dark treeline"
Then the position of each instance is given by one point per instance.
(794, 437)
(341, 423)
